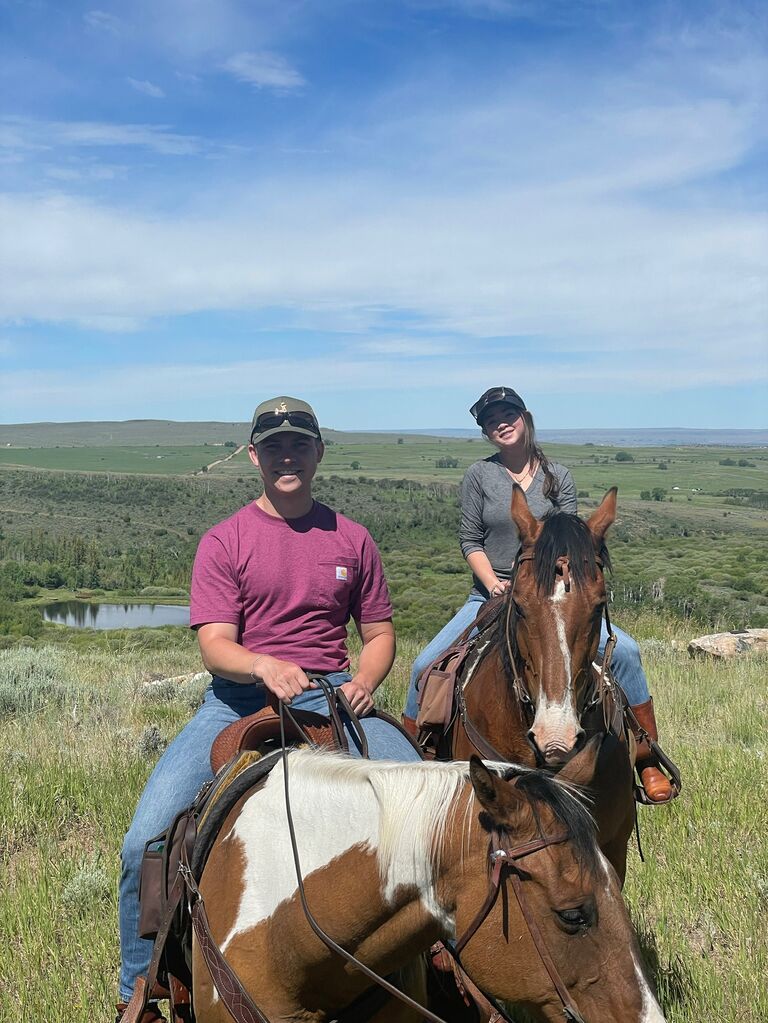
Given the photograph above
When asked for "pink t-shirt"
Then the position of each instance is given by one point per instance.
(290, 586)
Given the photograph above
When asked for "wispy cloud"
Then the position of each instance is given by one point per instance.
(17, 133)
(103, 21)
(264, 70)
(147, 88)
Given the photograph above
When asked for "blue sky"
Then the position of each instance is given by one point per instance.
(385, 207)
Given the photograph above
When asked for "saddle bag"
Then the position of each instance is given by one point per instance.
(436, 687)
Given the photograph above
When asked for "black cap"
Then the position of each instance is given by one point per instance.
(496, 396)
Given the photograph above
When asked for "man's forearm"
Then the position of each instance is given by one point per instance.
(376, 659)
(229, 659)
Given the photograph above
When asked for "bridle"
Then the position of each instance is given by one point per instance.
(503, 865)
(593, 695)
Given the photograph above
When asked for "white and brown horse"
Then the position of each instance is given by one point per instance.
(395, 857)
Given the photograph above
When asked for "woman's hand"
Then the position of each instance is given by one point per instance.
(498, 587)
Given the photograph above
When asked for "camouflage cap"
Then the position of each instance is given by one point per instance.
(283, 415)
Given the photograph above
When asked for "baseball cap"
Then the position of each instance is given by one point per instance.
(496, 396)
(283, 415)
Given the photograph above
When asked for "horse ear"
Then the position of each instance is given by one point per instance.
(496, 796)
(604, 515)
(580, 769)
(528, 526)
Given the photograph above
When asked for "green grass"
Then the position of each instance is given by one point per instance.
(154, 460)
(76, 733)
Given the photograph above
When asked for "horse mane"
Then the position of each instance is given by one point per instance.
(417, 802)
(566, 535)
(567, 807)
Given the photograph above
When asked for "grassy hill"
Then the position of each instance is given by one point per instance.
(80, 731)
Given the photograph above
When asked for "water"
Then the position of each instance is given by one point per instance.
(80, 614)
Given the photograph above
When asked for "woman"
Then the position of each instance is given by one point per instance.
(490, 543)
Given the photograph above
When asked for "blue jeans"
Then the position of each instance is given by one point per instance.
(182, 771)
(626, 664)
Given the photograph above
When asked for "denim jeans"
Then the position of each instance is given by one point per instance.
(181, 772)
(626, 664)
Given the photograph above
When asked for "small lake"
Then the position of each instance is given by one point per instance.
(81, 614)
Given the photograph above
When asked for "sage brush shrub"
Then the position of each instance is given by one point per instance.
(32, 680)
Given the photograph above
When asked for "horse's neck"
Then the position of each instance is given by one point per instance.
(495, 710)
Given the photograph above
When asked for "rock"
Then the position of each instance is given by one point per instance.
(730, 644)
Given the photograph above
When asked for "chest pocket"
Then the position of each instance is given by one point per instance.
(336, 581)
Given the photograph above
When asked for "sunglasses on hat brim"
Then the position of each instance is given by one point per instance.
(274, 420)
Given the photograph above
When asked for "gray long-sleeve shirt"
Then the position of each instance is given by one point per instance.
(486, 525)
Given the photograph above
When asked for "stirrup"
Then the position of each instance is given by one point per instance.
(666, 766)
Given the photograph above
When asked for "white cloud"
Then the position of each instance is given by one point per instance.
(265, 70)
(104, 22)
(147, 88)
(25, 135)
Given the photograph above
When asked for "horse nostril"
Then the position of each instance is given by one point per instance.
(581, 738)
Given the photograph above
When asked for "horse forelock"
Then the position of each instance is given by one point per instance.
(566, 805)
(564, 535)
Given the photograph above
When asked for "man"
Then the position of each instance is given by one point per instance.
(273, 588)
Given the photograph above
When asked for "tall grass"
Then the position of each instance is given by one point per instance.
(79, 733)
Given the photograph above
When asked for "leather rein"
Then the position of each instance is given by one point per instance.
(600, 684)
(239, 1003)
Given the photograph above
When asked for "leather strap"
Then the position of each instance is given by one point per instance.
(569, 1007)
(239, 1003)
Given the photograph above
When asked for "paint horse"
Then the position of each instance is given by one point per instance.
(534, 696)
(396, 856)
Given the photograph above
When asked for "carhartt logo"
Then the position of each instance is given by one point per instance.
(341, 572)
(282, 407)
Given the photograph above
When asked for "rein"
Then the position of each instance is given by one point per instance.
(503, 863)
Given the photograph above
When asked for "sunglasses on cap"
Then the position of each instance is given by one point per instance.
(496, 396)
(272, 420)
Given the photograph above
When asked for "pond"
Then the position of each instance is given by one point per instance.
(81, 614)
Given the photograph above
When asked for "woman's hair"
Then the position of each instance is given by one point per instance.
(534, 453)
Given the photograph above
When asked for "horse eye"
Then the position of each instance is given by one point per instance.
(580, 918)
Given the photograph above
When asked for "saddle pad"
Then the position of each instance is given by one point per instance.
(244, 773)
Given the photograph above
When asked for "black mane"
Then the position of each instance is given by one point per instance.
(569, 536)
(562, 535)
(540, 787)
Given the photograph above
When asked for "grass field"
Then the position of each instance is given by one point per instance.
(79, 733)
(155, 459)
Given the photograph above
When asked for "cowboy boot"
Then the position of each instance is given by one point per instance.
(409, 724)
(656, 784)
(151, 1014)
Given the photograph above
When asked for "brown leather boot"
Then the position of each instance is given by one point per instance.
(656, 784)
(409, 724)
(151, 1014)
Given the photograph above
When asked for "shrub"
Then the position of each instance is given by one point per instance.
(34, 679)
(624, 456)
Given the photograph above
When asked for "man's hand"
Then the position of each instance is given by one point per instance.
(359, 696)
(282, 678)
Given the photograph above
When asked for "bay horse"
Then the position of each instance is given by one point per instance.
(396, 856)
(534, 697)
